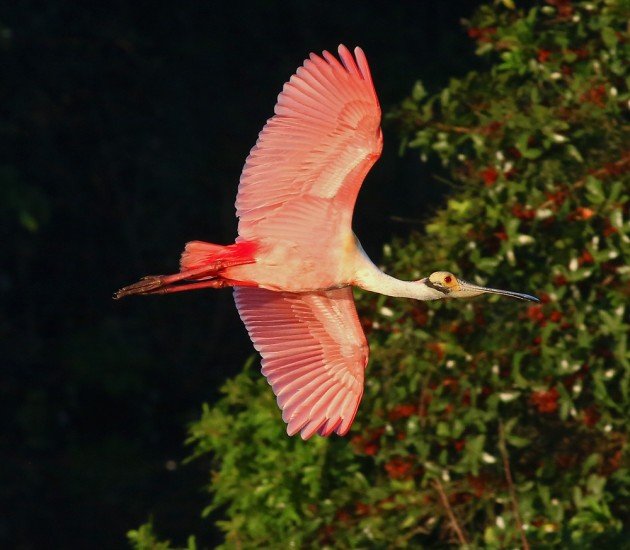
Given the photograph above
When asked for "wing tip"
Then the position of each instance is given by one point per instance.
(323, 427)
(348, 61)
(358, 60)
(326, 426)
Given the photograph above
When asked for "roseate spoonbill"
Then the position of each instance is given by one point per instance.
(296, 258)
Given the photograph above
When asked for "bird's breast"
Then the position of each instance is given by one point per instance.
(284, 266)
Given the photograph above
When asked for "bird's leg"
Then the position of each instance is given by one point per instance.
(165, 284)
(210, 283)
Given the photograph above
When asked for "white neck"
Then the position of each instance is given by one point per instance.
(369, 277)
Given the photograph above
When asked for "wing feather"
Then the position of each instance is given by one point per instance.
(313, 354)
(321, 142)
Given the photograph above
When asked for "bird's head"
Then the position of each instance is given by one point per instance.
(450, 286)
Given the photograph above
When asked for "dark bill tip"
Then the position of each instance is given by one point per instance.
(517, 295)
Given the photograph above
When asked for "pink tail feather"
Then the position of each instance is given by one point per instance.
(198, 254)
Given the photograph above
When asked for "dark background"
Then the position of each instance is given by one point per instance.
(123, 131)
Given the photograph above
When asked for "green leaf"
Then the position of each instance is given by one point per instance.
(419, 92)
(609, 37)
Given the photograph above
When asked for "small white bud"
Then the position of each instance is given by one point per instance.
(387, 312)
(543, 213)
(573, 264)
(488, 458)
(524, 239)
(506, 397)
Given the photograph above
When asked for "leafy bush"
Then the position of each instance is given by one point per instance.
(487, 422)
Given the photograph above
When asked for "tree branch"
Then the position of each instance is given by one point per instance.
(510, 482)
(451, 516)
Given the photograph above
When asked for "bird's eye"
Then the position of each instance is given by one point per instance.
(448, 279)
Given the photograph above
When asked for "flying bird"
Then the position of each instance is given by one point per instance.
(296, 259)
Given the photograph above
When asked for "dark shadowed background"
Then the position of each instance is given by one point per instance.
(123, 131)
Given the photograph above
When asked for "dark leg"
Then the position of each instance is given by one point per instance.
(212, 283)
(165, 284)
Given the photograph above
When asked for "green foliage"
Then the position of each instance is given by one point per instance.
(145, 538)
(459, 394)
(122, 134)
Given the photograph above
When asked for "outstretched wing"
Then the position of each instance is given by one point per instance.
(313, 352)
(312, 155)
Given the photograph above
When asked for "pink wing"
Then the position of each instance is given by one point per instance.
(316, 150)
(314, 354)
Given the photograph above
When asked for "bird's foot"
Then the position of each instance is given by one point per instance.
(147, 285)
